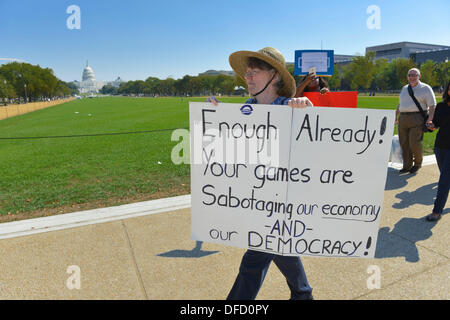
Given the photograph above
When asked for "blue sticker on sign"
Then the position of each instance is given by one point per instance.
(246, 109)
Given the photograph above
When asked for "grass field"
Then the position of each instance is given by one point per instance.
(57, 175)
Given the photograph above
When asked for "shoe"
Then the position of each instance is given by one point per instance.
(414, 169)
(433, 217)
(404, 170)
(307, 297)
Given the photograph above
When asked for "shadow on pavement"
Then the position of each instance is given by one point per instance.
(394, 180)
(401, 241)
(424, 195)
(197, 252)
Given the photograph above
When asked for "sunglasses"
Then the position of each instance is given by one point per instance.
(413, 75)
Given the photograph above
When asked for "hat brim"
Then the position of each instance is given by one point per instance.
(238, 61)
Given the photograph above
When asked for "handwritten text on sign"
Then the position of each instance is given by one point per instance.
(289, 181)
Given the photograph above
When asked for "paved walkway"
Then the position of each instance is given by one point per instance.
(143, 251)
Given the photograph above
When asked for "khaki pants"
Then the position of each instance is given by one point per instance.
(410, 135)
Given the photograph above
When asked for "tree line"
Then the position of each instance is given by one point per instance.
(362, 73)
(188, 85)
(24, 82)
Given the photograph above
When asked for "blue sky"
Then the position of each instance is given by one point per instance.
(136, 39)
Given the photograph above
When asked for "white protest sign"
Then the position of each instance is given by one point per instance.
(315, 59)
(289, 181)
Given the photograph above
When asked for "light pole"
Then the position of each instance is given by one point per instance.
(446, 71)
(23, 80)
(26, 96)
(6, 99)
(5, 94)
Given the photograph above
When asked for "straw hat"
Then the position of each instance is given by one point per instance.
(238, 61)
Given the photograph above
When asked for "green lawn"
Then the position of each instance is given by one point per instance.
(40, 174)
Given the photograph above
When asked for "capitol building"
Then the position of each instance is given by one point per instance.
(89, 84)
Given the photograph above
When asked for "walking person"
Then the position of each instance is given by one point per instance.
(441, 120)
(269, 82)
(410, 120)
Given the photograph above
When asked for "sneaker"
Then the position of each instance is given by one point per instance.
(433, 217)
(414, 169)
(404, 170)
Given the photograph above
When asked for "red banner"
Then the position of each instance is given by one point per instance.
(343, 99)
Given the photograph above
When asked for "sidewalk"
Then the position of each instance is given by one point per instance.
(144, 251)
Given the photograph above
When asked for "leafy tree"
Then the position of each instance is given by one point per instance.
(109, 89)
(428, 73)
(167, 87)
(196, 86)
(443, 73)
(207, 84)
(6, 89)
(31, 82)
(381, 75)
(183, 86)
(334, 82)
(153, 86)
(73, 88)
(361, 71)
(347, 77)
(401, 67)
(228, 85)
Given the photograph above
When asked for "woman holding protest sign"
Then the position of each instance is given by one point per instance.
(269, 82)
(441, 120)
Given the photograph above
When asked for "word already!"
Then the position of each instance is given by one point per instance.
(317, 133)
(240, 309)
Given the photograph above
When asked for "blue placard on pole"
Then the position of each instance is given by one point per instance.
(322, 60)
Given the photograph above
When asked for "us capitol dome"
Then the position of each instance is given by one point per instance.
(88, 74)
(88, 83)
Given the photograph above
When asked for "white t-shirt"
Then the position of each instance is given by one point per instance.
(423, 93)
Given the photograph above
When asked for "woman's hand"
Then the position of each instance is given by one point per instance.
(430, 125)
(302, 102)
(310, 78)
(324, 90)
(213, 100)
